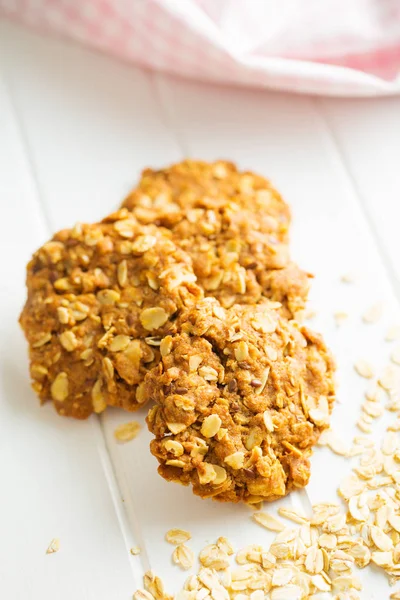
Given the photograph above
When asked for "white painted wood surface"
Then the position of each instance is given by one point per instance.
(76, 128)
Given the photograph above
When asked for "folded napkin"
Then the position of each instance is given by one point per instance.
(331, 47)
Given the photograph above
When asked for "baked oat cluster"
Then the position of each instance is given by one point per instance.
(234, 226)
(99, 298)
(187, 297)
(241, 396)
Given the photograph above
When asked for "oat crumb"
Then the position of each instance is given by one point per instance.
(127, 431)
(373, 314)
(364, 369)
(54, 546)
(348, 277)
(340, 317)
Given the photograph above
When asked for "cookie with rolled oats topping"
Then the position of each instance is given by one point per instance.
(241, 396)
(233, 224)
(100, 298)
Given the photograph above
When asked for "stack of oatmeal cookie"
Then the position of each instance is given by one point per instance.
(187, 297)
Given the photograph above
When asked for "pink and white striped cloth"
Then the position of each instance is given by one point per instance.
(335, 47)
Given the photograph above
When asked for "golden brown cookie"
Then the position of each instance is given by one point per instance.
(234, 225)
(99, 298)
(241, 397)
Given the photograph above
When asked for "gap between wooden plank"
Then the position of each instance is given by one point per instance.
(352, 182)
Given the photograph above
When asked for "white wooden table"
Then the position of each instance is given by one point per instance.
(76, 128)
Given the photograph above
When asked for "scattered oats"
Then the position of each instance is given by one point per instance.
(357, 511)
(321, 583)
(365, 472)
(337, 445)
(373, 314)
(328, 541)
(183, 556)
(268, 521)
(282, 577)
(364, 426)
(293, 515)
(154, 585)
(135, 550)
(325, 437)
(364, 369)
(314, 561)
(177, 536)
(382, 559)
(317, 555)
(225, 545)
(393, 333)
(346, 582)
(395, 426)
(214, 557)
(143, 595)
(390, 443)
(395, 596)
(374, 393)
(364, 441)
(289, 592)
(366, 418)
(54, 546)
(389, 378)
(380, 539)
(351, 486)
(372, 409)
(127, 431)
(340, 317)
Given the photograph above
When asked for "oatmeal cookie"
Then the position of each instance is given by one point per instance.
(233, 224)
(99, 298)
(241, 395)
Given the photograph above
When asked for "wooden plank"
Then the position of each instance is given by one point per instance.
(367, 135)
(91, 124)
(53, 482)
